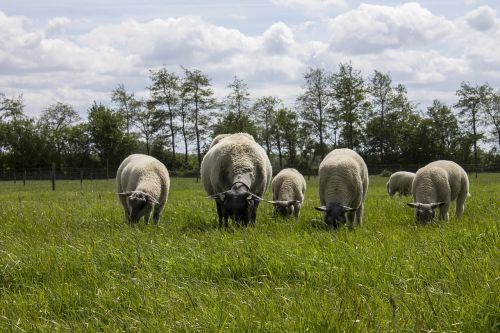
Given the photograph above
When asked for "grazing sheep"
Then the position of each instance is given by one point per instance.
(343, 183)
(236, 172)
(142, 183)
(436, 185)
(400, 182)
(288, 187)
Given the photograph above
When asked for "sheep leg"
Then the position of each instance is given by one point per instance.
(123, 201)
(218, 204)
(253, 217)
(157, 212)
(359, 215)
(147, 216)
(350, 216)
(460, 204)
(443, 211)
(296, 210)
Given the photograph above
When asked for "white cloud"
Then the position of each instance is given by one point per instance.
(482, 18)
(57, 24)
(372, 28)
(56, 61)
(312, 6)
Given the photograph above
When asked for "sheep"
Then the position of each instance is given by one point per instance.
(236, 172)
(288, 188)
(143, 183)
(400, 182)
(436, 185)
(343, 184)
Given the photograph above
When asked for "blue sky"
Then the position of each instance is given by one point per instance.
(79, 51)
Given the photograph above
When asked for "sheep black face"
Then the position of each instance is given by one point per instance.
(139, 204)
(285, 208)
(335, 214)
(239, 206)
(425, 212)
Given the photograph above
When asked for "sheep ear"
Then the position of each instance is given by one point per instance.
(125, 194)
(437, 204)
(413, 205)
(272, 202)
(321, 209)
(219, 196)
(348, 209)
(254, 197)
(151, 199)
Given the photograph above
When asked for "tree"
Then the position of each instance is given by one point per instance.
(200, 97)
(127, 104)
(264, 112)
(147, 123)
(12, 109)
(57, 119)
(165, 92)
(285, 131)
(316, 104)
(230, 123)
(349, 93)
(492, 110)
(186, 131)
(381, 92)
(470, 103)
(238, 102)
(444, 130)
(106, 129)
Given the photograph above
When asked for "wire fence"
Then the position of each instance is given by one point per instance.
(82, 174)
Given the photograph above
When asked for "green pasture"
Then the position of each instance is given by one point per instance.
(69, 262)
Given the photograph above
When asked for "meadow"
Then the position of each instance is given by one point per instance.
(69, 262)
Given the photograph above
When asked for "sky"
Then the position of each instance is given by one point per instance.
(77, 52)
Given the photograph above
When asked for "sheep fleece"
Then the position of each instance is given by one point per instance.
(401, 182)
(289, 184)
(343, 178)
(441, 181)
(144, 173)
(236, 157)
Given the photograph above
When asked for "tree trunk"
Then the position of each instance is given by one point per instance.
(475, 138)
(184, 134)
(171, 118)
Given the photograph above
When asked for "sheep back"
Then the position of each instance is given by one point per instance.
(144, 173)
(401, 182)
(440, 181)
(236, 158)
(288, 184)
(343, 178)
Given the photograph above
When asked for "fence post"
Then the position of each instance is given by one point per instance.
(107, 168)
(53, 176)
(15, 179)
(81, 177)
(24, 178)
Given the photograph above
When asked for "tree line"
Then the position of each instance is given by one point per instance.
(177, 121)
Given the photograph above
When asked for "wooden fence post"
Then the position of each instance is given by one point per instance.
(81, 177)
(53, 176)
(24, 178)
(15, 179)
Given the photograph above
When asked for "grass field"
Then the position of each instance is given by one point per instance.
(68, 262)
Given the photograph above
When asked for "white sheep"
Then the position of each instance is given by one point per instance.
(343, 184)
(289, 187)
(436, 185)
(400, 182)
(143, 183)
(236, 172)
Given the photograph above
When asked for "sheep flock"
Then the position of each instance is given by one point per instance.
(236, 173)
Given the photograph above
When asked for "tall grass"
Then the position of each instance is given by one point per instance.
(68, 261)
